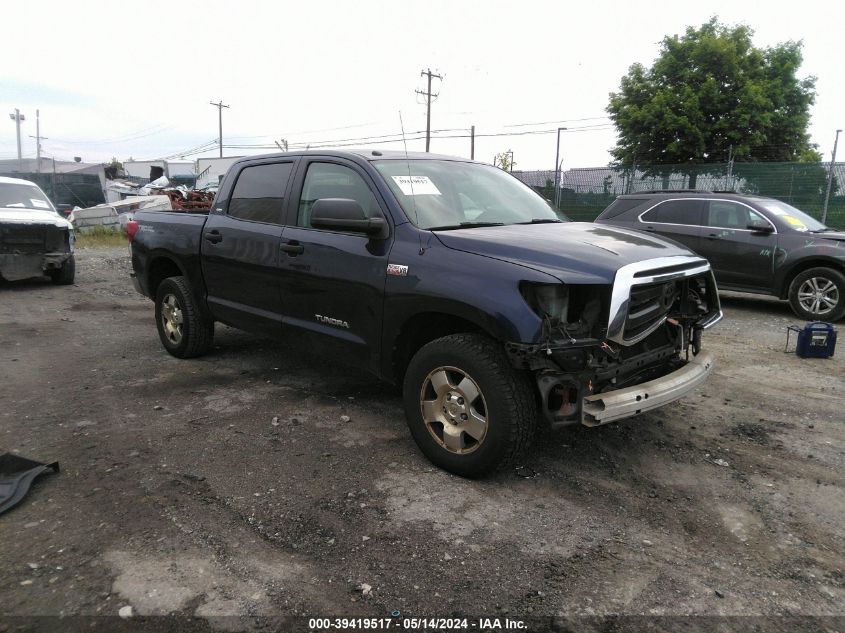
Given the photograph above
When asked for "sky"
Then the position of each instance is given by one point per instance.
(136, 81)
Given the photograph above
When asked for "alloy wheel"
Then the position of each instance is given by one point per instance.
(172, 319)
(454, 410)
(818, 295)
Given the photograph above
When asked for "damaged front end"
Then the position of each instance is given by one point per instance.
(31, 249)
(610, 352)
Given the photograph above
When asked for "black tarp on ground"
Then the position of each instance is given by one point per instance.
(16, 476)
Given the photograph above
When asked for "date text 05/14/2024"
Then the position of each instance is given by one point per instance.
(416, 624)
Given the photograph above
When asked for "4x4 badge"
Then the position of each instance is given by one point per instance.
(397, 269)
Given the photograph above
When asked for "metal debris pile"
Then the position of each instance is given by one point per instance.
(183, 199)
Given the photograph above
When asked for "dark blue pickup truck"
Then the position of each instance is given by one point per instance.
(448, 277)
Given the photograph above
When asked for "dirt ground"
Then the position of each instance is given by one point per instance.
(230, 486)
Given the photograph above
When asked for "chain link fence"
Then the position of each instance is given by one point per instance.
(585, 192)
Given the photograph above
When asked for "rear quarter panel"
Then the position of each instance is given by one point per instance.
(172, 236)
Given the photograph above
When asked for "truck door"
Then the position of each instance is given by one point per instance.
(240, 247)
(333, 282)
(739, 256)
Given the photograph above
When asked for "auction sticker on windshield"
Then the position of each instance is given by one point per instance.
(416, 185)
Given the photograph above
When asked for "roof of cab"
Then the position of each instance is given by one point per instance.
(366, 154)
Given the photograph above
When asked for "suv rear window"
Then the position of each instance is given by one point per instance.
(675, 212)
(620, 205)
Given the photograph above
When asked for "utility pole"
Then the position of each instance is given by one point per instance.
(472, 143)
(557, 169)
(830, 178)
(17, 117)
(428, 95)
(38, 139)
(220, 107)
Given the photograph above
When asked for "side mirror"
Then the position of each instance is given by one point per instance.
(760, 228)
(342, 214)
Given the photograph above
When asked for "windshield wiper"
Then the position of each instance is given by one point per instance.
(464, 225)
(542, 221)
(824, 230)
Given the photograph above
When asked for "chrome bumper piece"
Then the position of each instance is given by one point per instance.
(623, 403)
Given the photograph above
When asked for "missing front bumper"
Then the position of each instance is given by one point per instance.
(623, 403)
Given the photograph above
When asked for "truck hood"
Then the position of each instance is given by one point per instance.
(574, 252)
(15, 215)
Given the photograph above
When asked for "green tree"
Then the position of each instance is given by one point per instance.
(711, 95)
(504, 160)
(113, 169)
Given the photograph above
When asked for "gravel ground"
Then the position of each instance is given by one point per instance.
(230, 486)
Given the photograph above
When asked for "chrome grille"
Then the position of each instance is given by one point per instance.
(648, 307)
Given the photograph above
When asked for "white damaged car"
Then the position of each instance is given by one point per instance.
(34, 239)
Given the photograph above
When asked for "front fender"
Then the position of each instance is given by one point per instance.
(811, 253)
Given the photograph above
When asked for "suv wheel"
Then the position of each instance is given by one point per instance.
(818, 294)
(183, 332)
(468, 409)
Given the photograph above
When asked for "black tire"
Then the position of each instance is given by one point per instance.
(820, 278)
(65, 275)
(506, 396)
(196, 334)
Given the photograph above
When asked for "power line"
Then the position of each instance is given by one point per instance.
(591, 118)
(130, 137)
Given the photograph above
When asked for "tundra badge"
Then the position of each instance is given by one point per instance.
(331, 321)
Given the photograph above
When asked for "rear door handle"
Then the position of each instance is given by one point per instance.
(650, 229)
(292, 248)
(214, 237)
(713, 236)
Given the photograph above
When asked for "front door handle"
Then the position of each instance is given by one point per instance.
(713, 236)
(650, 229)
(292, 248)
(214, 236)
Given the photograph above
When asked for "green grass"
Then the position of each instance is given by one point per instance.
(101, 238)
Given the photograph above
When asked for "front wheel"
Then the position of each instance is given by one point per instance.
(818, 294)
(468, 409)
(182, 329)
(65, 275)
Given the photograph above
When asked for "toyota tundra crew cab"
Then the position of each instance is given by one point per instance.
(445, 276)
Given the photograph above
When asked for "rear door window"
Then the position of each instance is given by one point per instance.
(259, 193)
(686, 212)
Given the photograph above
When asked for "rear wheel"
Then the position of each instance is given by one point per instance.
(818, 294)
(182, 329)
(468, 409)
(65, 275)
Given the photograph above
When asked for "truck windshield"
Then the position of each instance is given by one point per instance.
(442, 194)
(18, 196)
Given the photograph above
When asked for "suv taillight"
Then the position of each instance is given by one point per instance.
(131, 229)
